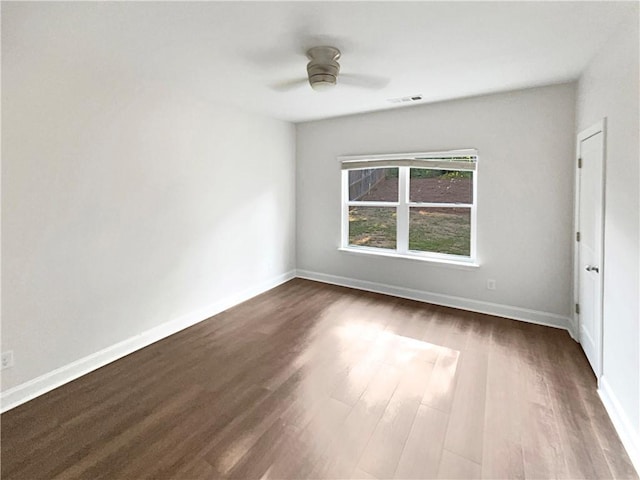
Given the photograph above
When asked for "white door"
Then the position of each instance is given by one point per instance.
(589, 241)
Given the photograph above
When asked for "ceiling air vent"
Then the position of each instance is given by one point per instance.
(410, 98)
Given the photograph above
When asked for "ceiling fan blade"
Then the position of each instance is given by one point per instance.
(372, 82)
(290, 84)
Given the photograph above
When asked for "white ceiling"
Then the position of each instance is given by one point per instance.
(235, 52)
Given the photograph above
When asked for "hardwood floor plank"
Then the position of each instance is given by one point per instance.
(503, 422)
(350, 440)
(422, 451)
(354, 383)
(458, 325)
(580, 462)
(417, 323)
(441, 387)
(619, 465)
(318, 381)
(79, 465)
(187, 432)
(256, 461)
(454, 466)
(198, 468)
(241, 434)
(361, 475)
(542, 451)
(307, 451)
(466, 421)
(438, 326)
(382, 453)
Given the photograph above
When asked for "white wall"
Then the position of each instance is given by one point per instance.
(525, 141)
(609, 88)
(126, 203)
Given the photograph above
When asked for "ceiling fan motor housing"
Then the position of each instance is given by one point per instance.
(323, 67)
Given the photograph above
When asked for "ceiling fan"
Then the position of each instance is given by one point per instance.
(323, 71)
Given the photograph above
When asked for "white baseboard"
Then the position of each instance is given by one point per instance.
(33, 388)
(507, 311)
(572, 324)
(629, 436)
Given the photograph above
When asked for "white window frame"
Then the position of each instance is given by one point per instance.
(434, 160)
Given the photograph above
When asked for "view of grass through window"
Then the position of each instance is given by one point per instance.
(439, 229)
(372, 226)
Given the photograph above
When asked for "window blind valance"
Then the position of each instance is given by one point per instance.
(465, 159)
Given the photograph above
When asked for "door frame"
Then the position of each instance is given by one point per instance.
(598, 127)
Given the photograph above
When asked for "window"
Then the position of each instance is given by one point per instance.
(420, 205)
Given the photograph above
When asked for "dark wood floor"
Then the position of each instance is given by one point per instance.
(317, 381)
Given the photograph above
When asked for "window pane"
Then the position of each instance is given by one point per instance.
(440, 230)
(374, 185)
(440, 186)
(372, 226)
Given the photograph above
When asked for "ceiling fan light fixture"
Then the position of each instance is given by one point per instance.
(323, 67)
(323, 71)
(322, 82)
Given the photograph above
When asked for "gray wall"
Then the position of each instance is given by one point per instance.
(526, 148)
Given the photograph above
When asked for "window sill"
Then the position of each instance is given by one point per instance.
(440, 262)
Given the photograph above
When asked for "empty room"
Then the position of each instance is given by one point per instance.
(323, 240)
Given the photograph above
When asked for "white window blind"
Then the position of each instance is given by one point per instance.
(465, 159)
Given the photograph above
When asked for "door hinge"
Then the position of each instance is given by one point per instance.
(580, 162)
(577, 236)
(577, 309)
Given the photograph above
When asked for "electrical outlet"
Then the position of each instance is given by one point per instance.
(7, 359)
(491, 284)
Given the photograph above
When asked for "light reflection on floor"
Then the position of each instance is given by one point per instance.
(359, 356)
(345, 364)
